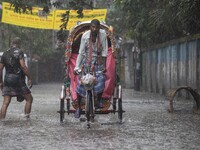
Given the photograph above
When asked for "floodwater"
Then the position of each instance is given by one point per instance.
(146, 125)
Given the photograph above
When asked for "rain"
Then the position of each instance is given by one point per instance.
(146, 125)
(154, 48)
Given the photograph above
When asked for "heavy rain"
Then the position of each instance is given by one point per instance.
(153, 54)
(146, 125)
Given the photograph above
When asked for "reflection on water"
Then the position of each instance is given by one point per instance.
(146, 126)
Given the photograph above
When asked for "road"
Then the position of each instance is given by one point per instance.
(146, 125)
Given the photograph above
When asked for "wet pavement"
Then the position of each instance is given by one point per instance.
(146, 125)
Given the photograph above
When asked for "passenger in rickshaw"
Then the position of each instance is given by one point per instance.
(92, 53)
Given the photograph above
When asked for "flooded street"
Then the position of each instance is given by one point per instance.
(146, 125)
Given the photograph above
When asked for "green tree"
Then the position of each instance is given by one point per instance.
(35, 41)
(157, 21)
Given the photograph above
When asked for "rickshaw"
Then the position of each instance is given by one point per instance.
(112, 94)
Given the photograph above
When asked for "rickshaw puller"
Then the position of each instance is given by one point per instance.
(92, 52)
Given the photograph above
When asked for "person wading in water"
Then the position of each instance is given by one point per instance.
(14, 84)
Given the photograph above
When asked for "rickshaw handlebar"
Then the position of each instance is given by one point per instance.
(78, 71)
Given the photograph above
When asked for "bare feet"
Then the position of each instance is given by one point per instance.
(27, 116)
(2, 116)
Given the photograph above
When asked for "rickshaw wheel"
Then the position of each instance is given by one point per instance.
(62, 110)
(88, 108)
(120, 110)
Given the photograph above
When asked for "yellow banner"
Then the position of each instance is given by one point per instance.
(27, 19)
(52, 21)
(99, 14)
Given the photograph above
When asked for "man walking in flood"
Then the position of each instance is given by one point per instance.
(14, 84)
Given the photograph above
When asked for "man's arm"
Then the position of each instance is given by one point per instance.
(78, 62)
(26, 71)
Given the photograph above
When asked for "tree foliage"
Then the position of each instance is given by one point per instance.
(35, 41)
(155, 21)
(148, 22)
(23, 6)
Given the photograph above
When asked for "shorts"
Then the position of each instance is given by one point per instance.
(14, 85)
